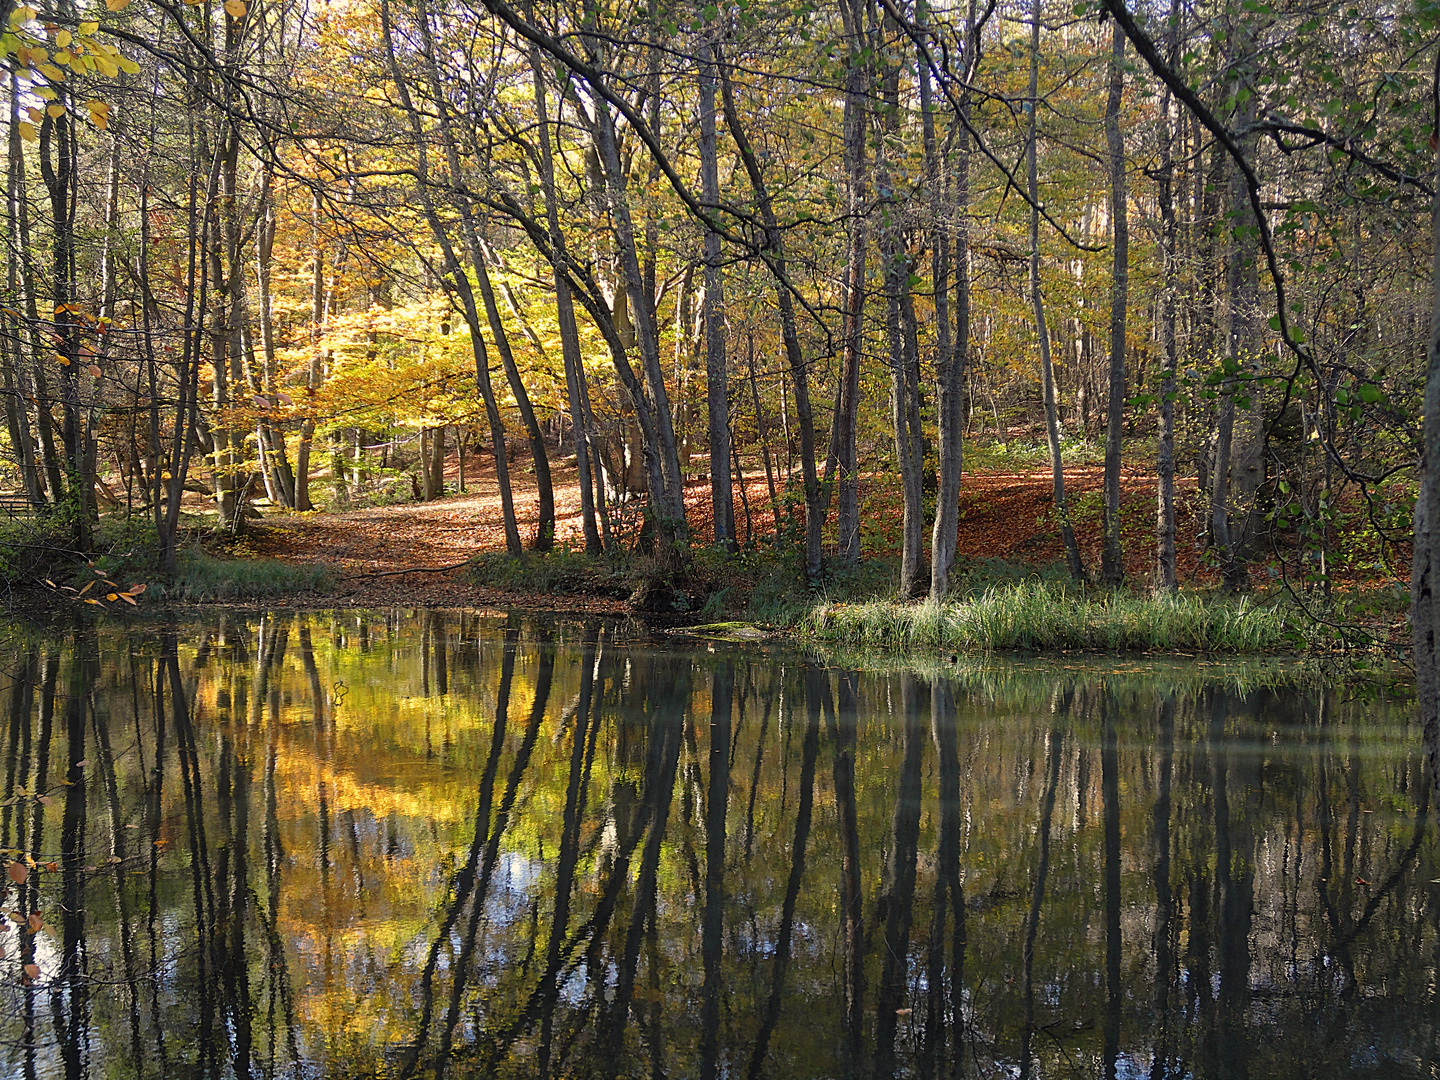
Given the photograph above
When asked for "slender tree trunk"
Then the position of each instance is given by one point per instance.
(844, 433)
(20, 209)
(1425, 572)
(312, 368)
(1112, 557)
(904, 361)
(795, 357)
(662, 461)
(760, 430)
(716, 374)
(575, 383)
(545, 490)
(17, 415)
(1165, 458)
(949, 357)
(280, 477)
(459, 284)
(1047, 371)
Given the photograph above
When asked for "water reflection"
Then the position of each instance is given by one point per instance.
(439, 844)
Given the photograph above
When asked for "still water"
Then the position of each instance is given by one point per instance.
(420, 843)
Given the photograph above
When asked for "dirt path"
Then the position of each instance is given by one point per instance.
(1003, 515)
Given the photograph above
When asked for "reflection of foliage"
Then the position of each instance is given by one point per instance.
(302, 810)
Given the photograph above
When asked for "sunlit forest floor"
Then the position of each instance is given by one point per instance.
(1004, 515)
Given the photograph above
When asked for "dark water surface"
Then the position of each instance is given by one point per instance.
(400, 843)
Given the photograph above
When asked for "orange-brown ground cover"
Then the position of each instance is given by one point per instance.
(1003, 515)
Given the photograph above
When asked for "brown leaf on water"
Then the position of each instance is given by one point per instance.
(17, 872)
(32, 971)
(35, 923)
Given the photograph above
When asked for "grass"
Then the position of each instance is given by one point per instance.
(1044, 616)
(201, 578)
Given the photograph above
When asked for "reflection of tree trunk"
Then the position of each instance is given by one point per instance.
(760, 745)
(1164, 899)
(465, 880)
(842, 732)
(662, 761)
(897, 906)
(119, 894)
(152, 871)
(816, 685)
(202, 895)
(70, 995)
(716, 802)
(575, 791)
(273, 853)
(1110, 794)
(1235, 877)
(481, 892)
(949, 894)
(1037, 898)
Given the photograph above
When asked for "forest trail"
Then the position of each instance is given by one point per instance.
(1003, 515)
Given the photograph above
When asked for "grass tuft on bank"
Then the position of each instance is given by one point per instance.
(1044, 616)
(202, 578)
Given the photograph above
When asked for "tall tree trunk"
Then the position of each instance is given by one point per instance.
(57, 169)
(662, 458)
(1047, 370)
(280, 477)
(794, 356)
(716, 374)
(576, 390)
(947, 199)
(318, 320)
(458, 283)
(1112, 556)
(20, 211)
(11, 324)
(1165, 457)
(1425, 571)
(843, 456)
(904, 361)
(1240, 468)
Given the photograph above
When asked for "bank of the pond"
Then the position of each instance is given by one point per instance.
(1022, 610)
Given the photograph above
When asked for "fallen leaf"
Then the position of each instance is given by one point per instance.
(17, 872)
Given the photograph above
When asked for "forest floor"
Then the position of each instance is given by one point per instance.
(414, 553)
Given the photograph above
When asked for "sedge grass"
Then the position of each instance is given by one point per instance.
(202, 578)
(1042, 616)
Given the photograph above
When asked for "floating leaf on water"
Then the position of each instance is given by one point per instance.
(17, 872)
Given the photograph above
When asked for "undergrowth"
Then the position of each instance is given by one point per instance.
(562, 572)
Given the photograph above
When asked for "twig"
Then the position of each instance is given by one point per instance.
(407, 570)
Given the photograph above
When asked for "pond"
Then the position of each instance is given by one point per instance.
(426, 843)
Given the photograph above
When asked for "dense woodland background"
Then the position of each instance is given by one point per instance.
(299, 252)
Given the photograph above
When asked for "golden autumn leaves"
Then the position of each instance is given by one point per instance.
(110, 591)
(54, 53)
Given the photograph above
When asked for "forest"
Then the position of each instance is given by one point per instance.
(294, 255)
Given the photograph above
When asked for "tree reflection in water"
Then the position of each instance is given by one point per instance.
(454, 844)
